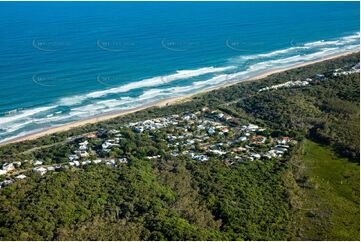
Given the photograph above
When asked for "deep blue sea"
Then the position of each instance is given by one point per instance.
(65, 61)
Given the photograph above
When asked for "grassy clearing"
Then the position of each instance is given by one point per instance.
(330, 196)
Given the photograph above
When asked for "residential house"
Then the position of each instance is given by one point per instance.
(37, 163)
(50, 168)
(73, 157)
(258, 139)
(284, 140)
(123, 160)
(87, 162)
(200, 157)
(211, 131)
(40, 170)
(7, 167)
(20, 177)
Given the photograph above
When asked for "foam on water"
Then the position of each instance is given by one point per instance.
(296, 47)
(24, 114)
(155, 81)
(167, 86)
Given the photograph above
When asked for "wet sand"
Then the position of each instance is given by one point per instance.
(161, 103)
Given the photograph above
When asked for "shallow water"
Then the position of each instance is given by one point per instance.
(62, 62)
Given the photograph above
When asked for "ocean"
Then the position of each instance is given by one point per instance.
(66, 61)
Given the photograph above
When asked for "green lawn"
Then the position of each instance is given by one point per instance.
(331, 195)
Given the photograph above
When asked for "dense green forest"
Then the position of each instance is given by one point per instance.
(178, 198)
(328, 113)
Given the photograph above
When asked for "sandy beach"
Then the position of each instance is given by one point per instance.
(161, 103)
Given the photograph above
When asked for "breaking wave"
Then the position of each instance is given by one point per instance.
(150, 90)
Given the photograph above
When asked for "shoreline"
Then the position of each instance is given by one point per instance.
(161, 103)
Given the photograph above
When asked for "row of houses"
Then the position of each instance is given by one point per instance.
(288, 84)
(110, 162)
(157, 123)
(13, 171)
(307, 81)
(343, 72)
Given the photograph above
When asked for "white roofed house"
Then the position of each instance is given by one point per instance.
(256, 156)
(320, 77)
(200, 157)
(6, 182)
(228, 117)
(87, 162)
(37, 163)
(211, 131)
(8, 167)
(108, 144)
(242, 139)
(84, 143)
(217, 152)
(73, 157)
(205, 109)
(50, 168)
(272, 153)
(74, 163)
(252, 127)
(341, 72)
(239, 149)
(186, 117)
(20, 177)
(279, 148)
(83, 154)
(58, 167)
(123, 160)
(40, 170)
(114, 131)
(110, 162)
(153, 157)
(190, 142)
(83, 146)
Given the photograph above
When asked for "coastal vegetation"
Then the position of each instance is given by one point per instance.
(327, 194)
(237, 163)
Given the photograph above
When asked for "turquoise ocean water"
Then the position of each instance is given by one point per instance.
(62, 62)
